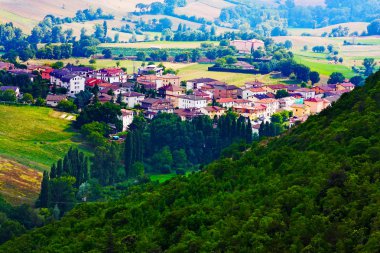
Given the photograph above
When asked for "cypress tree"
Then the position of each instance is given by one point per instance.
(110, 242)
(53, 171)
(75, 166)
(59, 168)
(128, 153)
(66, 165)
(43, 200)
(234, 129)
(249, 131)
(85, 169)
(80, 170)
(261, 130)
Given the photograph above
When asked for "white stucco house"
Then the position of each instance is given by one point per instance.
(191, 101)
(73, 83)
(131, 99)
(127, 118)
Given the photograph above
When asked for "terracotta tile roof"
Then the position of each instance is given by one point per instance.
(268, 100)
(314, 100)
(125, 112)
(132, 94)
(55, 98)
(257, 89)
(213, 108)
(226, 100)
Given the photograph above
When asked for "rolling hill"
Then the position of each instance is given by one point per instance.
(352, 26)
(24, 15)
(23, 12)
(315, 189)
(41, 141)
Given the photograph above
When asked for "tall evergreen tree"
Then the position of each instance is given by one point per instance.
(248, 132)
(59, 168)
(53, 171)
(43, 200)
(128, 153)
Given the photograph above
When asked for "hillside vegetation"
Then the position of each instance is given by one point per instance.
(316, 189)
(34, 136)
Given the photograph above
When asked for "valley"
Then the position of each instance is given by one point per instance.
(190, 126)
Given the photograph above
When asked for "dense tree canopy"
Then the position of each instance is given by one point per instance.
(315, 189)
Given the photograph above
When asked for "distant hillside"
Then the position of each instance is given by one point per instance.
(316, 189)
(24, 12)
(353, 26)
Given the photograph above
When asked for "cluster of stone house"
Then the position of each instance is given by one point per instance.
(201, 96)
(75, 79)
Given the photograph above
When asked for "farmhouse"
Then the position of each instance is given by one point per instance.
(53, 100)
(247, 46)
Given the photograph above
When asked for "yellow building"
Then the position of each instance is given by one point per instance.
(300, 110)
(213, 111)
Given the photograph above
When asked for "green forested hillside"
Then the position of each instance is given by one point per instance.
(317, 189)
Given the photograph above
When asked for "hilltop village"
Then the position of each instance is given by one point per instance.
(150, 92)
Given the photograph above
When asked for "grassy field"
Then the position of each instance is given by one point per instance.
(352, 55)
(324, 69)
(193, 71)
(353, 26)
(18, 183)
(22, 22)
(35, 137)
